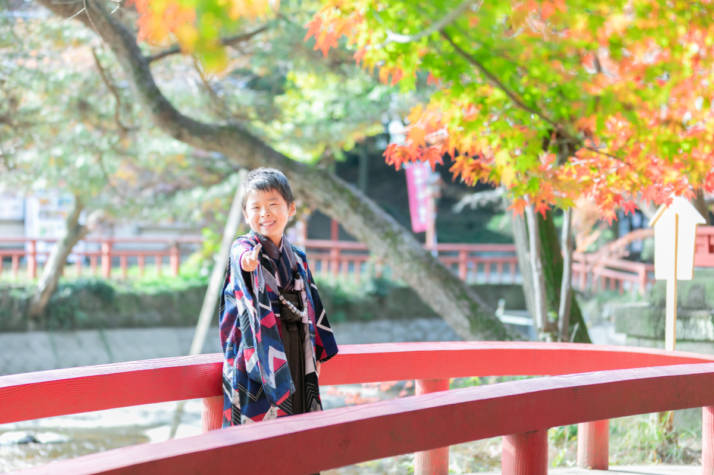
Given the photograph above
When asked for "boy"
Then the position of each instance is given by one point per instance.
(273, 329)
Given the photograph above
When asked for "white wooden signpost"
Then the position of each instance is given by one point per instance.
(675, 228)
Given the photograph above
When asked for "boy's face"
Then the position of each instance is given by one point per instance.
(267, 213)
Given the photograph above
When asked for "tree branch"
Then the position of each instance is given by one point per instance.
(112, 89)
(219, 104)
(560, 128)
(229, 41)
(498, 83)
(434, 27)
(108, 178)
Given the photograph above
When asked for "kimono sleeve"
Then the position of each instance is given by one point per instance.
(241, 292)
(228, 324)
(262, 349)
(325, 344)
(228, 310)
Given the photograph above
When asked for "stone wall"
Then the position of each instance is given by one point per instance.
(93, 323)
(644, 322)
(22, 352)
(88, 305)
(94, 304)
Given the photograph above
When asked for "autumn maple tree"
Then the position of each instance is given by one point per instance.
(553, 100)
(197, 25)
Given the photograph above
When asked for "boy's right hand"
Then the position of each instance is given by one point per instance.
(250, 259)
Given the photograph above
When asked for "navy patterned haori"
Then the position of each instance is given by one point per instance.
(257, 382)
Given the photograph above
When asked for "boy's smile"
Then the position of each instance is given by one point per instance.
(267, 213)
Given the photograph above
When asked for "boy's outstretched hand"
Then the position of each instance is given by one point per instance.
(250, 259)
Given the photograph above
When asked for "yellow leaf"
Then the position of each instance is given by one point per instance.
(505, 168)
(518, 18)
(187, 36)
(215, 61)
(415, 114)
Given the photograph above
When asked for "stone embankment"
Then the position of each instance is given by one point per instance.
(40, 350)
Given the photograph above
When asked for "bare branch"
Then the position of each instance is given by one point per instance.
(112, 89)
(434, 27)
(108, 178)
(565, 134)
(480, 199)
(219, 104)
(498, 83)
(229, 41)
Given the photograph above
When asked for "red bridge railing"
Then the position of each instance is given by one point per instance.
(626, 381)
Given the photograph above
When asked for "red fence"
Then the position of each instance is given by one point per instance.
(627, 381)
(489, 263)
(476, 263)
(704, 246)
(123, 251)
(472, 262)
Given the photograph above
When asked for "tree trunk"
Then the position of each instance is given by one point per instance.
(520, 237)
(566, 293)
(701, 205)
(215, 282)
(460, 307)
(213, 292)
(54, 266)
(536, 268)
(553, 273)
(363, 175)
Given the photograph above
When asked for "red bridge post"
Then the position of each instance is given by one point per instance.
(708, 439)
(175, 259)
(32, 259)
(211, 418)
(594, 444)
(106, 259)
(434, 461)
(525, 454)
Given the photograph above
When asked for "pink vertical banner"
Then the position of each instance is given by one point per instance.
(418, 191)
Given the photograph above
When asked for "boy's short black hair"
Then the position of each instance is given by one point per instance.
(266, 179)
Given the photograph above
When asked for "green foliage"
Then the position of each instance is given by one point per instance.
(457, 383)
(551, 99)
(379, 286)
(274, 83)
(75, 130)
(562, 439)
(649, 439)
(339, 298)
(67, 307)
(151, 282)
(74, 125)
(91, 302)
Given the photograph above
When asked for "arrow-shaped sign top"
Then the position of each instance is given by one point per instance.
(675, 228)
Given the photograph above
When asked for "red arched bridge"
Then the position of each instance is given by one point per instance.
(588, 384)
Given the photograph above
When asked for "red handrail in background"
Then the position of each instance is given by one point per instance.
(477, 263)
(107, 249)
